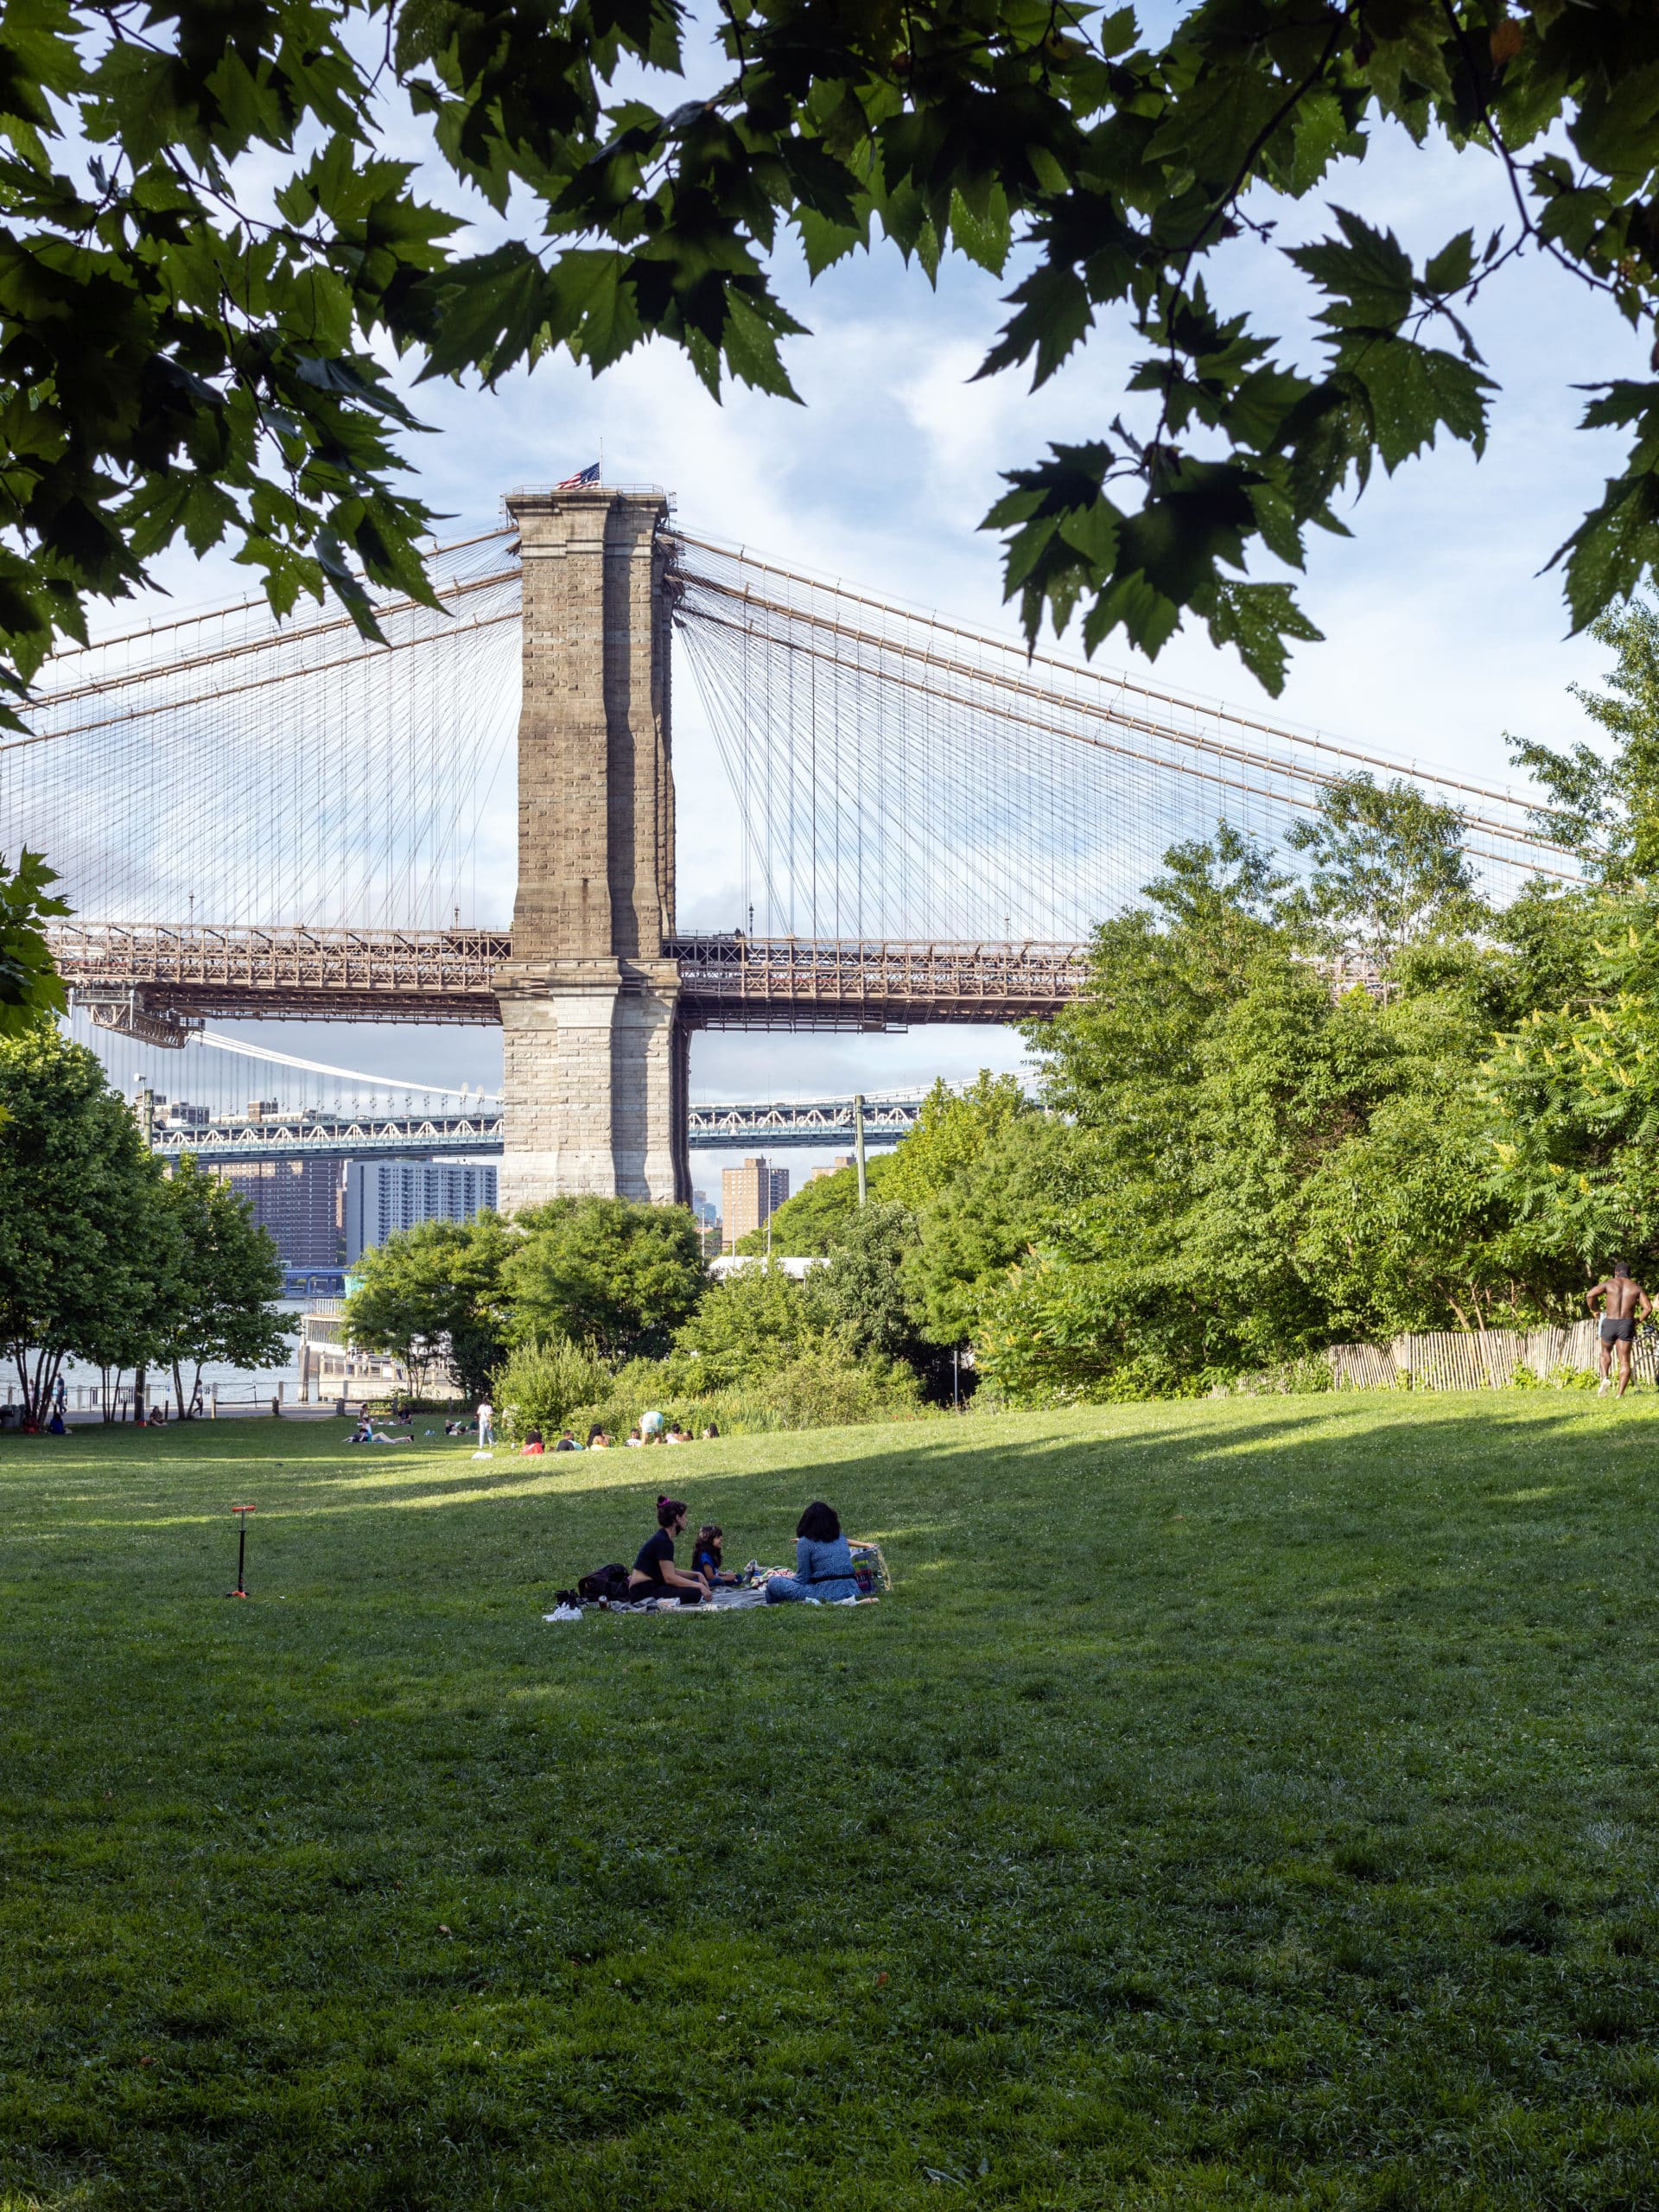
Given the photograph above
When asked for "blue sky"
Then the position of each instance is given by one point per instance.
(1440, 635)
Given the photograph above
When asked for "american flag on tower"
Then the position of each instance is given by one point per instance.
(588, 475)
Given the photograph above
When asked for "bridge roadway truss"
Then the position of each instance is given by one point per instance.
(767, 1125)
(154, 980)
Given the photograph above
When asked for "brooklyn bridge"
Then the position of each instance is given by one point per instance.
(472, 817)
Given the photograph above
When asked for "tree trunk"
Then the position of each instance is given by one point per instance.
(139, 1374)
(52, 1369)
(37, 1394)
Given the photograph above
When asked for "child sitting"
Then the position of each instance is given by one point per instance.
(705, 1557)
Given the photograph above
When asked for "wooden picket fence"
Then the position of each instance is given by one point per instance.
(1455, 1359)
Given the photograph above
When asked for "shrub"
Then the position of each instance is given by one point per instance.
(822, 1386)
(544, 1385)
(1307, 1377)
(1559, 1378)
(750, 1324)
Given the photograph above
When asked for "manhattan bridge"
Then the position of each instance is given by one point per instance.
(473, 821)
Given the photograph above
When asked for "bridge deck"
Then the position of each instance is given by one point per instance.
(158, 971)
(767, 1125)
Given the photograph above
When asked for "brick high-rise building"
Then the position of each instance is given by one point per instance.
(749, 1195)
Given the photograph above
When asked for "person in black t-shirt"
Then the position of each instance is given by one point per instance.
(655, 1574)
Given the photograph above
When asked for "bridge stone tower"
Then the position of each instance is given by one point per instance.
(595, 1053)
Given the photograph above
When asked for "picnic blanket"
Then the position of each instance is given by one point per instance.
(874, 1580)
(721, 1601)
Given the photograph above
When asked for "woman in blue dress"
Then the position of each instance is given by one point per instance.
(823, 1563)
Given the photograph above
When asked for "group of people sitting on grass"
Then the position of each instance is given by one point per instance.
(652, 1429)
(823, 1562)
(662, 1428)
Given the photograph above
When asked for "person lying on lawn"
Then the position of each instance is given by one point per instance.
(655, 1574)
(823, 1562)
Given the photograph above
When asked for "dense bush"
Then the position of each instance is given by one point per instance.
(820, 1386)
(543, 1386)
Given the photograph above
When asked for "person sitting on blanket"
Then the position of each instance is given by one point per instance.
(655, 1574)
(823, 1563)
(705, 1557)
(532, 1446)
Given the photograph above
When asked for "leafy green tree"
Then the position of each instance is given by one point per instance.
(859, 1293)
(185, 356)
(219, 1272)
(807, 1224)
(751, 1321)
(29, 985)
(609, 1273)
(1026, 1182)
(80, 1245)
(952, 1130)
(1258, 1166)
(1605, 807)
(1159, 974)
(434, 1294)
(1574, 1093)
(1389, 870)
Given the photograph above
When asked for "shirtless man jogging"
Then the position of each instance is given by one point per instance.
(1622, 1299)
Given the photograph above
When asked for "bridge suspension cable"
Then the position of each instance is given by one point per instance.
(886, 761)
(225, 767)
(266, 1053)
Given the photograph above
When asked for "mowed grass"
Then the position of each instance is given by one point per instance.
(1239, 1804)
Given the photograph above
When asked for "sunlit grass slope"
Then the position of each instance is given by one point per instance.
(1239, 1804)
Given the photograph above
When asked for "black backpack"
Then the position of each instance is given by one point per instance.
(608, 1582)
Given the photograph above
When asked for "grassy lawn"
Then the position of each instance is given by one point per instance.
(1240, 1804)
